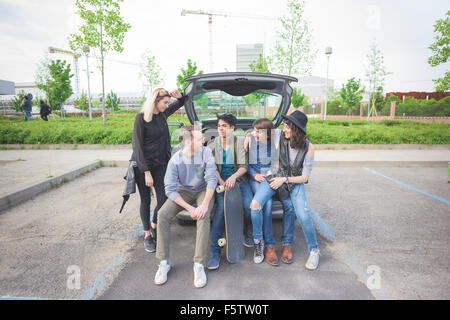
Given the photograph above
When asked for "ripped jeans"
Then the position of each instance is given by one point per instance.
(294, 205)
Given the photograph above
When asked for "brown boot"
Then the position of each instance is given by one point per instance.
(286, 255)
(271, 256)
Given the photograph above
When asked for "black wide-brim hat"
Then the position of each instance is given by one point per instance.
(298, 118)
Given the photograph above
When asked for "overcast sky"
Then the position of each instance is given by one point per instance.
(403, 30)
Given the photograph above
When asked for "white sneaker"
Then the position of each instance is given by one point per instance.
(199, 275)
(313, 260)
(161, 274)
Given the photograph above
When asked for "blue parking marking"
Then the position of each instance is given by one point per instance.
(101, 281)
(139, 232)
(365, 275)
(409, 186)
(321, 226)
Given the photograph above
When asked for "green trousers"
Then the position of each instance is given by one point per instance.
(169, 210)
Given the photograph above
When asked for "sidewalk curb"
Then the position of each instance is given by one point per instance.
(25, 194)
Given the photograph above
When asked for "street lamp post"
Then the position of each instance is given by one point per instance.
(86, 50)
(328, 52)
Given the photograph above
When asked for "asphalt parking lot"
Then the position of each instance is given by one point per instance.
(400, 232)
(390, 223)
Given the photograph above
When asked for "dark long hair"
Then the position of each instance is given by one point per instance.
(298, 137)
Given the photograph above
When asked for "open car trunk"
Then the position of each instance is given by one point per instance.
(247, 95)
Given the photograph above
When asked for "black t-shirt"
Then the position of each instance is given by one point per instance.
(151, 140)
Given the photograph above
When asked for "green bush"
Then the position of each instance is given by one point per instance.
(119, 131)
(423, 108)
(335, 107)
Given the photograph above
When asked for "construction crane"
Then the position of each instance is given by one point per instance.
(210, 14)
(75, 65)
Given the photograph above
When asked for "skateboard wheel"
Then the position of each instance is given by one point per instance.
(222, 242)
(220, 189)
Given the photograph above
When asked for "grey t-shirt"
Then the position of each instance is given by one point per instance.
(191, 174)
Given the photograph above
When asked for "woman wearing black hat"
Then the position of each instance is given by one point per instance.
(288, 174)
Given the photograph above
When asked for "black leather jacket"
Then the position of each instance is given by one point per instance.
(285, 168)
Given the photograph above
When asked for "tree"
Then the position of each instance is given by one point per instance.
(298, 99)
(81, 101)
(112, 101)
(53, 77)
(378, 99)
(375, 73)
(103, 29)
(150, 71)
(441, 51)
(18, 100)
(191, 70)
(293, 49)
(351, 93)
(201, 100)
(261, 65)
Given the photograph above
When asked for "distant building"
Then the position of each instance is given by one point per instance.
(246, 54)
(7, 88)
(313, 87)
(29, 87)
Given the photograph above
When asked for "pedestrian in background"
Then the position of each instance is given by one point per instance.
(27, 106)
(45, 110)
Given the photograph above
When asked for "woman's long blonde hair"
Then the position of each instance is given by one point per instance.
(149, 105)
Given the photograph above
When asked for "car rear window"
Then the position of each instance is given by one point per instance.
(258, 104)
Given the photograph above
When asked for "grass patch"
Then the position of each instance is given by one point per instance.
(79, 130)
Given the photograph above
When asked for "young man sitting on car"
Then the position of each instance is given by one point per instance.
(232, 167)
(189, 182)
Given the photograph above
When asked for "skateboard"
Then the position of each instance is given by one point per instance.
(234, 225)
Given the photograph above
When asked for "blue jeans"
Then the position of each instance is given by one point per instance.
(218, 224)
(262, 220)
(264, 194)
(294, 205)
(298, 199)
(27, 116)
(247, 196)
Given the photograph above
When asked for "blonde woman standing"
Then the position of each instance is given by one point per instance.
(151, 151)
